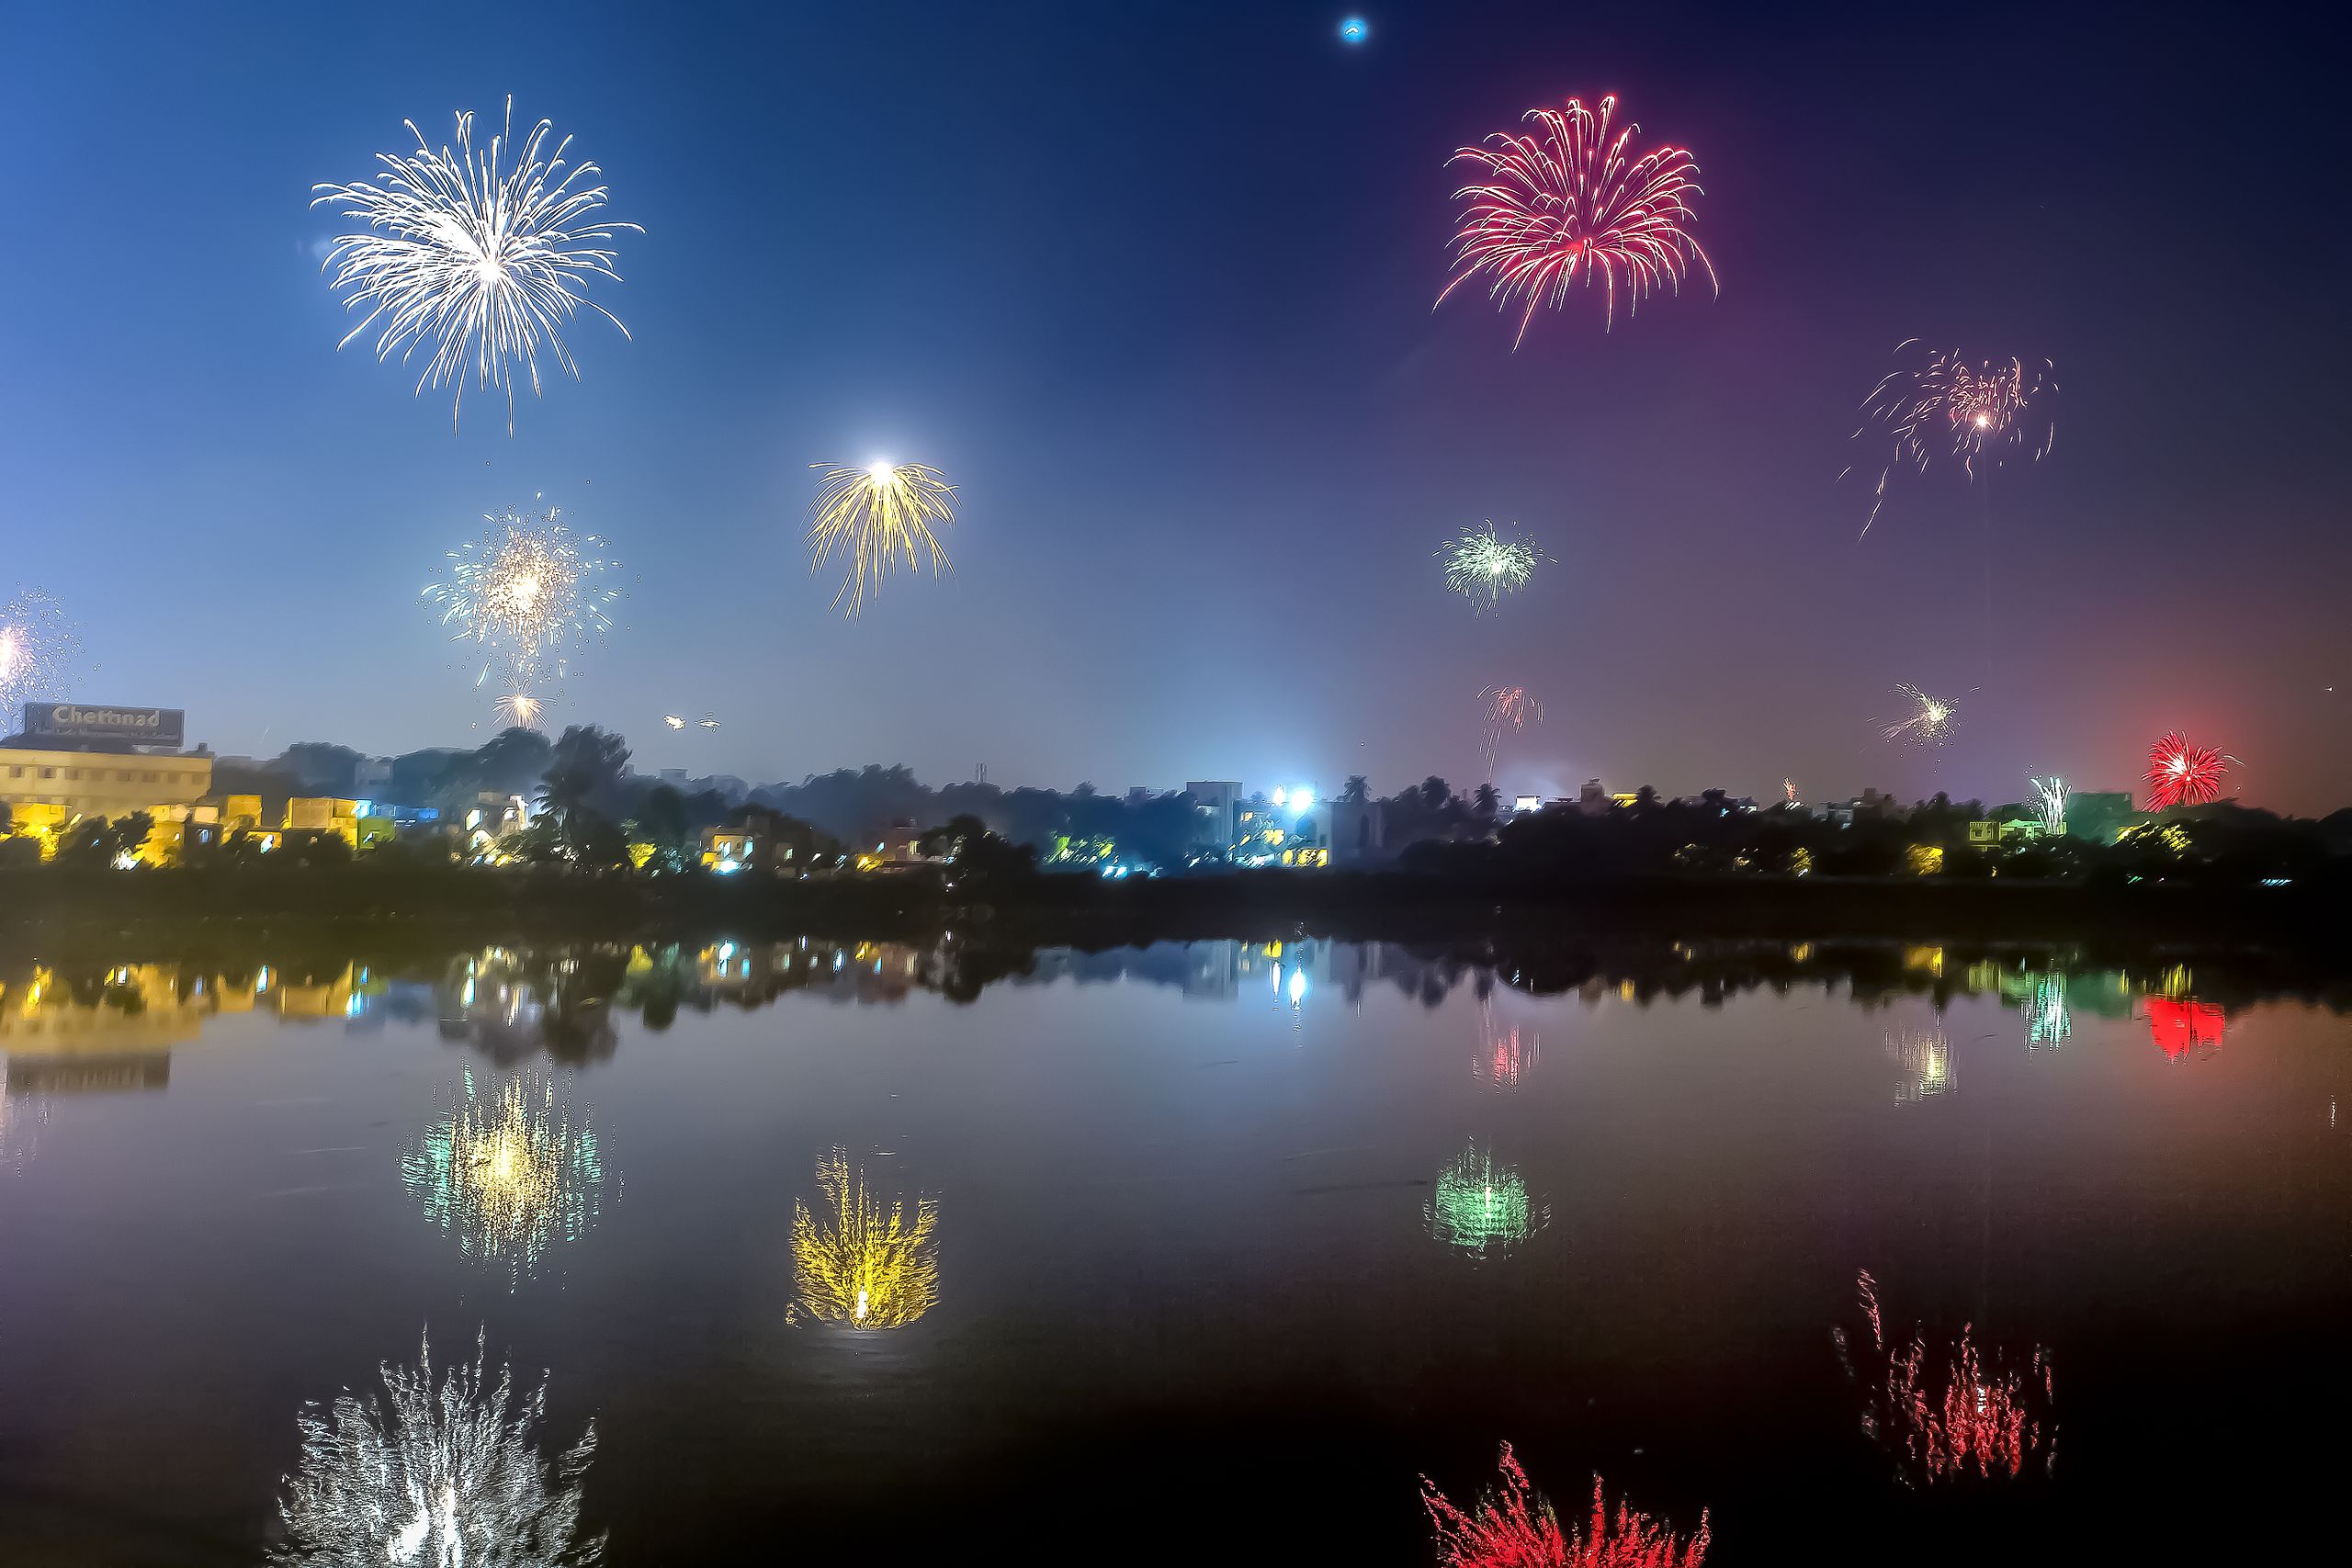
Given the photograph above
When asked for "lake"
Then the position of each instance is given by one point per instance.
(1205, 1251)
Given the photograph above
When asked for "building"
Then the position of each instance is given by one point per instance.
(101, 784)
(1358, 831)
(1216, 805)
(2098, 814)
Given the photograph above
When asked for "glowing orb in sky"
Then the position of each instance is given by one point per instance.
(1356, 29)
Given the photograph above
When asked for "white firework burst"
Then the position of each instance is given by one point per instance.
(525, 592)
(39, 648)
(477, 257)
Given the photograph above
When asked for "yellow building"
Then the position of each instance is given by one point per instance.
(46, 791)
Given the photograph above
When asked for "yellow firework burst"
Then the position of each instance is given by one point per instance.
(520, 711)
(867, 1266)
(880, 517)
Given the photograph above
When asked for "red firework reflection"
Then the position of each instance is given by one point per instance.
(1514, 1526)
(2182, 775)
(2180, 1027)
(1949, 1411)
(1572, 205)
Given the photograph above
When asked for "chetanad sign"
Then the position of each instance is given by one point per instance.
(88, 721)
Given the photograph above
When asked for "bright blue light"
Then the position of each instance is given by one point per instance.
(1356, 29)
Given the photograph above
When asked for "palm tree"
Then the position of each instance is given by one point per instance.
(1358, 791)
(1487, 802)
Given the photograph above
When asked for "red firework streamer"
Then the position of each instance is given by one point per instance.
(1936, 405)
(2180, 774)
(1569, 202)
(1514, 1526)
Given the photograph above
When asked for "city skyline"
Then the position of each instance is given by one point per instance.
(1178, 353)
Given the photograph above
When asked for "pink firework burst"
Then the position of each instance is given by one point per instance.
(1936, 406)
(1569, 203)
(2180, 774)
(1515, 1527)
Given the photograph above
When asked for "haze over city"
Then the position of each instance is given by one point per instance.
(1154, 288)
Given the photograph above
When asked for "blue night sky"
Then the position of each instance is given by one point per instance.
(1152, 283)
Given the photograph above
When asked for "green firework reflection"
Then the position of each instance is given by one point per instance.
(508, 1174)
(1481, 1207)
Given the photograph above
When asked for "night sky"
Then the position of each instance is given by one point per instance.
(1152, 283)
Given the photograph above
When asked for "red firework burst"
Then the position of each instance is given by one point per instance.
(1515, 1527)
(2180, 774)
(1569, 202)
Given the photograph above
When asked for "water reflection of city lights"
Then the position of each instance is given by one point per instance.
(859, 1262)
(2183, 1026)
(1923, 1061)
(1513, 1526)
(437, 1471)
(1481, 1207)
(1947, 1410)
(1504, 1054)
(22, 1117)
(2047, 1020)
(508, 1173)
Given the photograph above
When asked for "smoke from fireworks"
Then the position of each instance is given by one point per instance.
(2181, 774)
(524, 591)
(1508, 707)
(1514, 1526)
(439, 1471)
(1482, 566)
(1931, 720)
(1567, 204)
(479, 263)
(38, 647)
(1937, 406)
(878, 516)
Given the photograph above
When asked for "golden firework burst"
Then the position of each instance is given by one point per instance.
(880, 517)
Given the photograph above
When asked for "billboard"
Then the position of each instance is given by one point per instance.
(90, 721)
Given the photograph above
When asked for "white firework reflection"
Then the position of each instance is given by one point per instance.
(435, 1470)
(480, 256)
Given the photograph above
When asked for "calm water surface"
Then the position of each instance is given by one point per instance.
(1199, 1252)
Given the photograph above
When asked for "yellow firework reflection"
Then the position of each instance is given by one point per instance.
(879, 515)
(508, 1174)
(864, 1265)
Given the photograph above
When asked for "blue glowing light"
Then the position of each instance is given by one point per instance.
(1356, 29)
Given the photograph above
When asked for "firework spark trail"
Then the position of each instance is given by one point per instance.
(524, 591)
(1482, 566)
(440, 1470)
(480, 262)
(2049, 803)
(1930, 723)
(39, 649)
(1508, 707)
(2182, 773)
(1514, 1526)
(878, 516)
(1571, 202)
(519, 711)
(1943, 407)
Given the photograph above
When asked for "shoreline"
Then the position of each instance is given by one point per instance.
(416, 906)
